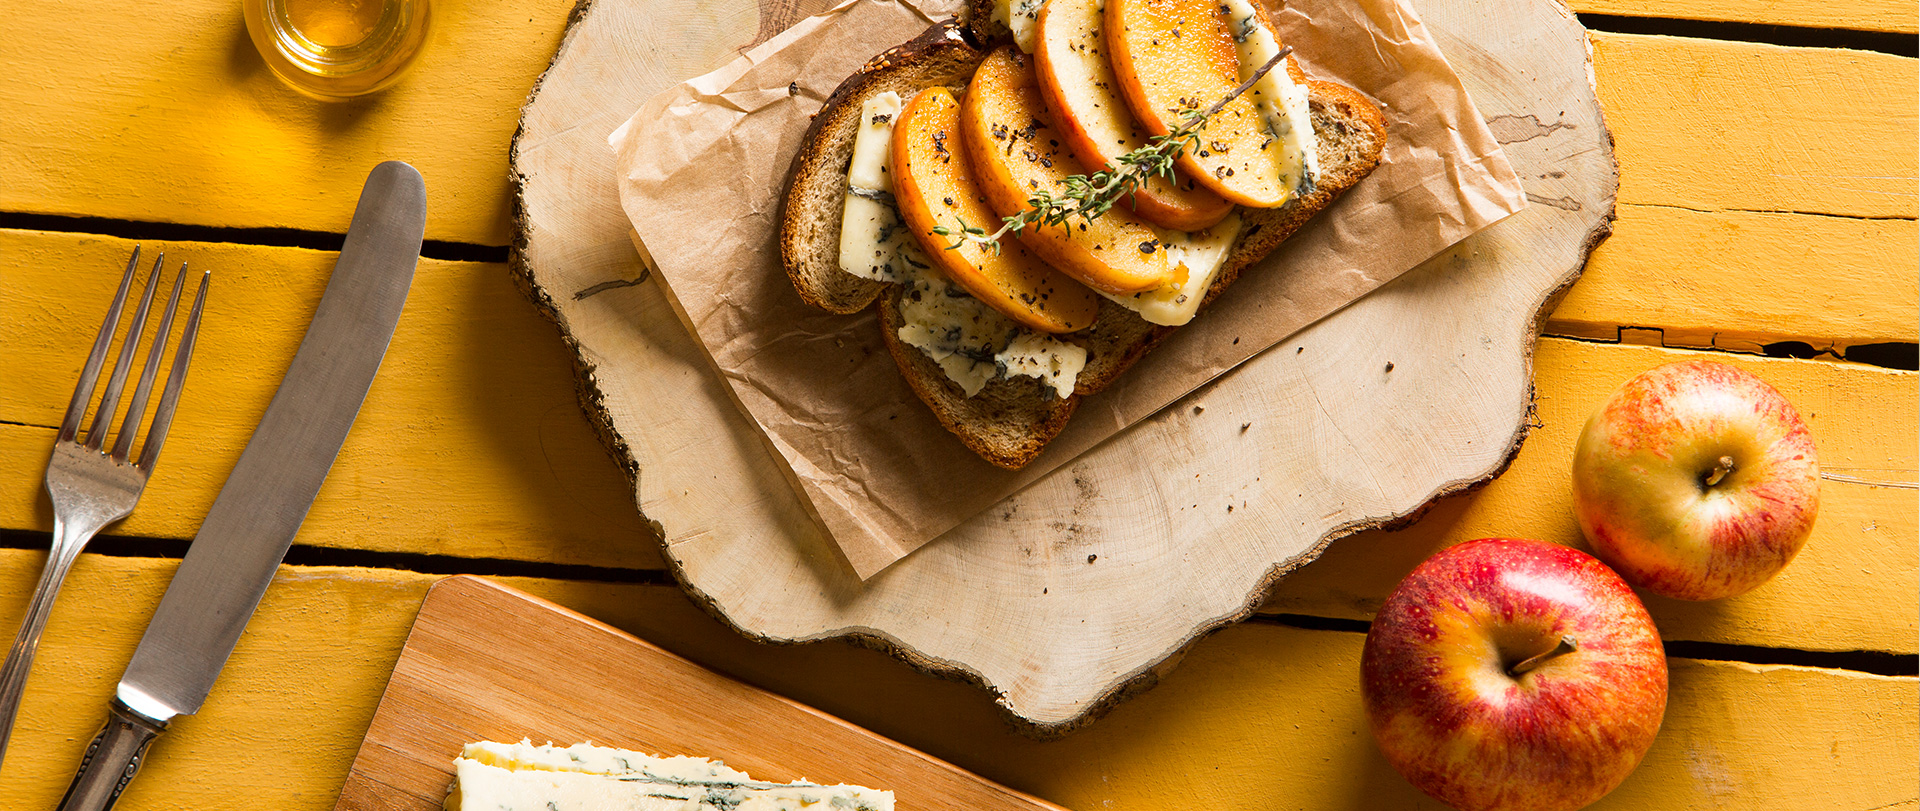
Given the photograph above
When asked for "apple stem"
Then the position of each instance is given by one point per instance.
(1567, 645)
(1720, 471)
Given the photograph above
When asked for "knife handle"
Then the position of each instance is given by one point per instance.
(112, 760)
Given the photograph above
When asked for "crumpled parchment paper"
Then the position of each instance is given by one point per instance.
(703, 169)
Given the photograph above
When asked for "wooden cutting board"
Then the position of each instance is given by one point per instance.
(486, 662)
(1085, 588)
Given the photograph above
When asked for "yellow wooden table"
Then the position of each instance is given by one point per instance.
(1767, 208)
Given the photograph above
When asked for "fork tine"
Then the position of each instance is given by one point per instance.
(90, 373)
(137, 407)
(163, 415)
(110, 400)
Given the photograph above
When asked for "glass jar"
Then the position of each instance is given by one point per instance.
(337, 49)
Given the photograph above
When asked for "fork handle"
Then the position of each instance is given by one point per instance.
(112, 760)
(67, 542)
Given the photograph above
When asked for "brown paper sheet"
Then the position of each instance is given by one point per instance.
(702, 172)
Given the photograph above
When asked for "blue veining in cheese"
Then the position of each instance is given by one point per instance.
(973, 343)
(524, 777)
(958, 331)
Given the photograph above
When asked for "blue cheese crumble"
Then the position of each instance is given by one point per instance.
(524, 777)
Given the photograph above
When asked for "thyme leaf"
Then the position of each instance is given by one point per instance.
(1090, 196)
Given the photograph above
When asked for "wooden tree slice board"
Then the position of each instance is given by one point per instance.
(1419, 390)
(488, 663)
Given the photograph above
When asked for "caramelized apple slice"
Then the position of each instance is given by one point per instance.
(1006, 130)
(935, 188)
(1077, 80)
(1175, 55)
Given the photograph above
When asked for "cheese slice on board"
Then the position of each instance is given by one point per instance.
(524, 777)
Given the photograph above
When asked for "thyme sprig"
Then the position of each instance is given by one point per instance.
(1090, 196)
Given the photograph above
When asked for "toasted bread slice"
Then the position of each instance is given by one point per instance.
(1007, 423)
(817, 187)
(1011, 420)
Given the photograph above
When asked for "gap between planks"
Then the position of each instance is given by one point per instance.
(1895, 43)
(1878, 663)
(126, 546)
(1891, 356)
(1897, 356)
(142, 231)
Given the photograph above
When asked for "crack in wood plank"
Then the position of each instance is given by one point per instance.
(645, 274)
(1742, 343)
(1513, 129)
(1841, 477)
(1562, 203)
(1767, 211)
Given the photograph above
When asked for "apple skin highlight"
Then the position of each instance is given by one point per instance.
(1450, 715)
(1647, 496)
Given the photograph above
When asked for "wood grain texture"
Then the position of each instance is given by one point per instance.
(469, 444)
(484, 662)
(489, 501)
(1739, 280)
(282, 722)
(163, 111)
(1275, 713)
(1857, 15)
(1862, 419)
(185, 124)
(1257, 709)
(1715, 126)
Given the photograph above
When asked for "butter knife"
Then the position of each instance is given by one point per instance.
(266, 497)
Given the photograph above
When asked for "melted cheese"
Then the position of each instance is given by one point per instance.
(874, 244)
(1022, 17)
(1199, 255)
(524, 777)
(1278, 96)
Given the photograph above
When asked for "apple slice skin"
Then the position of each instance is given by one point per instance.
(1641, 471)
(1175, 55)
(1009, 135)
(1450, 718)
(934, 186)
(1077, 80)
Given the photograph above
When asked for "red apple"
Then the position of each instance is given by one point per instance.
(1513, 674)
(1696, 480)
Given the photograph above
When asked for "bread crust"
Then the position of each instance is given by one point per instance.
(1010, 422)
(817, 182)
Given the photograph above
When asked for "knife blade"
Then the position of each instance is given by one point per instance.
(260, 508)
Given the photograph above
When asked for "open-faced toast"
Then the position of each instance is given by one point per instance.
(1009, 418)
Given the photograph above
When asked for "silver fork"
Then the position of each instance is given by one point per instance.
(92, 488)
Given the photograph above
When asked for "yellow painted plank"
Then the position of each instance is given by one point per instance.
(177, 120)
(1255, 711)
(1858, 15)
(1853, 587)
(1715, 126)
(161, 110)
(1275, 714)
(283, 722)
(470, 443)
(1740, 280)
